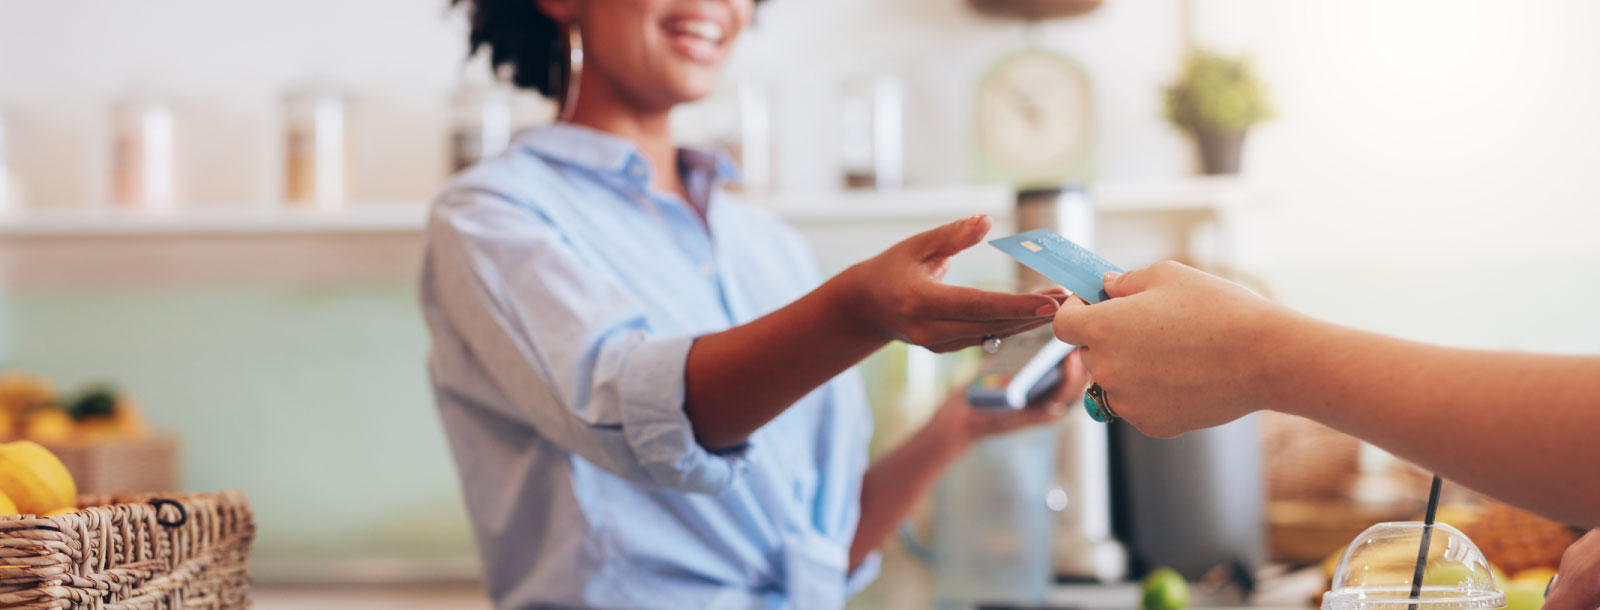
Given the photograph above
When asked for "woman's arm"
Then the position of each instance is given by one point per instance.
(1176, 350)
(741, 378)
(1517, 426)
(895, 481)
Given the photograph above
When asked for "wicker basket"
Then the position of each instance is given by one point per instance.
(147, 465)
(131, 552)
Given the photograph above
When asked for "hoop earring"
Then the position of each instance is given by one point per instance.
(569, 89)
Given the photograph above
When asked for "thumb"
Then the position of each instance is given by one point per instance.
(947, 240)
(1124, 284)
(1071, 320)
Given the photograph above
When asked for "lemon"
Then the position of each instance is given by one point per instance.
(49, 425)
(1165, 589)
(35, 479)
(1540, 576)
(7, 507)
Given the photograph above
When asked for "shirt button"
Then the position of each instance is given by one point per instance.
(708, 269)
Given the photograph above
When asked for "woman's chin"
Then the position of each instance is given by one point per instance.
(686, 91)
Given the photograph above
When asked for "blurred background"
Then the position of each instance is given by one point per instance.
(215, 209)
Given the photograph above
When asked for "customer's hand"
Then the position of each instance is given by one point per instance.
(968, 424)
(1176, 349)
(1577, 585)
(899, 294)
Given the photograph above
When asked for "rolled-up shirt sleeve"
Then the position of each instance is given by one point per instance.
(864, 575)
(570, 349)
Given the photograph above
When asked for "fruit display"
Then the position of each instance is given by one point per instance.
(33, 481)
(31, 408)
(1517, 540)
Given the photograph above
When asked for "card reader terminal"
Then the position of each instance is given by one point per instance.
(1027, 368)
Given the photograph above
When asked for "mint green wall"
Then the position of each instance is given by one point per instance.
(314, 401)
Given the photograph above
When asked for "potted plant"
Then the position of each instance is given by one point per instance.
(1216, 100)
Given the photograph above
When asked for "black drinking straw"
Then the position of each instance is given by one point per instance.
(1427, 536)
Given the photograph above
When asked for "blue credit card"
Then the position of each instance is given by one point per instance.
(1068, 264)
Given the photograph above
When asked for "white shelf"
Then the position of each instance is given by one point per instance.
(1193, 195)
(884, 206)
(215, 220)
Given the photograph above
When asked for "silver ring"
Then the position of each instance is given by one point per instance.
(991, 343)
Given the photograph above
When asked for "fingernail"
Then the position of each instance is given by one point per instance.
(1047, 310)
(1110, 275)
(976, 218)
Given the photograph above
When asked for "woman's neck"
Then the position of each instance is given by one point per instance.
(599, 106)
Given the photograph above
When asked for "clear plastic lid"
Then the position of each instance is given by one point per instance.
(1376, 571)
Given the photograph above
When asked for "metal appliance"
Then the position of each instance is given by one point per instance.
(1084, 546)
(1131, 503)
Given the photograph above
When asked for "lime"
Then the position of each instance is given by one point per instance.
(1521, 595)
(1165, 589)
(1450, 575)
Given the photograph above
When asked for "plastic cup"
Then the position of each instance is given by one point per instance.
(1377, 569)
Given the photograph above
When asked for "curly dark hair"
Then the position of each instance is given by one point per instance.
(521, 36)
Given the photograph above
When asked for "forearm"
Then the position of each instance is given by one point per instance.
(739, 379)
(895, 481)
(1517, 426)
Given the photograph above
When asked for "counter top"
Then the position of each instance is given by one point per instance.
(1293, 591)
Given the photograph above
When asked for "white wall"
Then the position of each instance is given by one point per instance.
(227, 65)
(62, 63)
(1433, 170)
(940, 48)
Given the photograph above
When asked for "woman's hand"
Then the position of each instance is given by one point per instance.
(966, 424)
(898, 294)
(895, 481)
(1577, 585)
(1177, 349)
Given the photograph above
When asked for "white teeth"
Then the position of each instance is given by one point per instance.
(708, 30)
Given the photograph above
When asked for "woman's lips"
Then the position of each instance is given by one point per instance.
(698, 39)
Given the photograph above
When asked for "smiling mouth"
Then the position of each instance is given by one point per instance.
(708, 31)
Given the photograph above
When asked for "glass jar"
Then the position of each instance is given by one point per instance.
(8, 197)
(316, 161)
(872, 144)
(480, 125)
(143, 155)
(751, 148)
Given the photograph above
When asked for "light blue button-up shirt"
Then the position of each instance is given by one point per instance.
(563, 296)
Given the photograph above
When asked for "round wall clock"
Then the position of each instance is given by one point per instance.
(1033, 119)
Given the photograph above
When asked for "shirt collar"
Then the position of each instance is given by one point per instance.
(609, 154)
(711, 161)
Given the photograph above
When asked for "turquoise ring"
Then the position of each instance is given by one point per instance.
(1094, 401)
